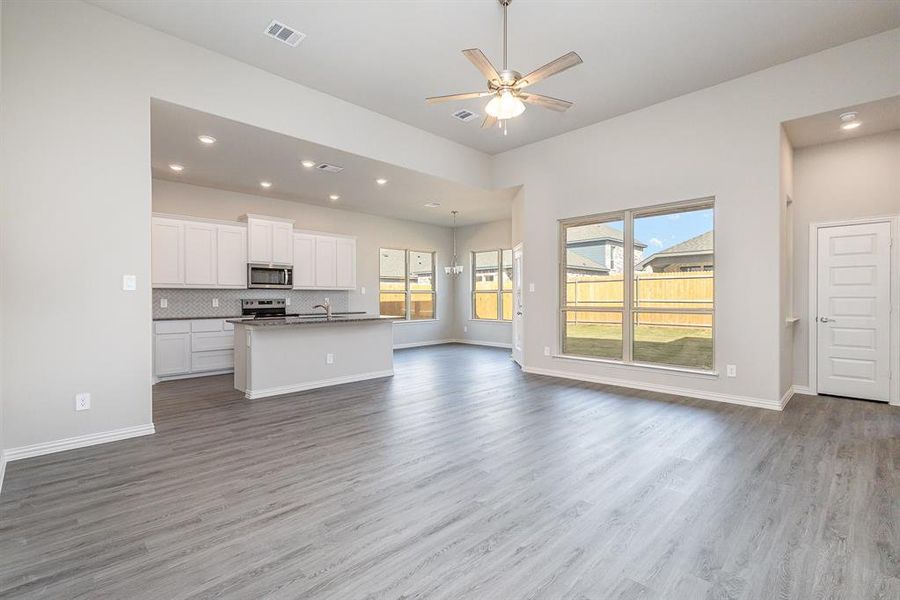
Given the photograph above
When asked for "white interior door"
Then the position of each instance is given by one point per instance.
(518, 327)
(853, 311)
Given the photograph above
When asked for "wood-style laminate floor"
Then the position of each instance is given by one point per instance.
(463, 478)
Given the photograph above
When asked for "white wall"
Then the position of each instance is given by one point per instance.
(785, 279)
(485, 236)
(843, 180)
(372, 232)
(77, 197)
(722, 142)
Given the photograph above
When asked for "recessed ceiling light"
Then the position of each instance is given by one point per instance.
(309, 164)
(334, 197)
(206, 139)
(849, 121)
(381, 181)
(176, 167)
(432, 205)
(265, 184)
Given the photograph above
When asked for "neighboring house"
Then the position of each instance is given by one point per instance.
(597, 249)
(695, 254)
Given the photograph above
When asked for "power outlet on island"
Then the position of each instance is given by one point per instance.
(731, 370)
(329, 358)
(164, 303)
(215, 303)
(82, 401)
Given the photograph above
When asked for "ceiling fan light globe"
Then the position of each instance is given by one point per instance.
(505, 106)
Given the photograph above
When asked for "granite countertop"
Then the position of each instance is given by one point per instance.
(290, 321)
(244, 318)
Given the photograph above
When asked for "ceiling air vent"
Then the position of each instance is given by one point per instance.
(465, 115)
(329, 168)
(283, 33)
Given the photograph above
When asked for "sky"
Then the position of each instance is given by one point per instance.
(664, 231)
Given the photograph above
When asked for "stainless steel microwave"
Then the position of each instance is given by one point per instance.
(266, 276)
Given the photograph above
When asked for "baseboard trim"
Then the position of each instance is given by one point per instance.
(2, 469)
(420, 344)
(480, 343)
(81, 441)
(302, 387)
(787, 396)
(803, 389)
(650, 387)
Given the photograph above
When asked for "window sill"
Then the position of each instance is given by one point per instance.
(489, 321)
(405, 321)
(641, 366)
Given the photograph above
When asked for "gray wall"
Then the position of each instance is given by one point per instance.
(485, 236)
(372, 232)
(77, 197)
(843, 180)
(723, 142)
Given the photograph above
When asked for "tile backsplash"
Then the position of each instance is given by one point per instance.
(199, 303)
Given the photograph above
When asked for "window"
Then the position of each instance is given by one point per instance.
(492, 285)
(406, 284)
(638, 286)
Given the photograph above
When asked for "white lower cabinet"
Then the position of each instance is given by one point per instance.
(198, 346)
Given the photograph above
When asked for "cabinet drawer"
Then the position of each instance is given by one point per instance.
(212, 361)
(207, 325)
(172, 327)
(203, 342)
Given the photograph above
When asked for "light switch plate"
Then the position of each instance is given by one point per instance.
(215, 303)
(530, 287)
(329, 358)
(731, 370)
(287, 301)
(362, 290)
(129, 283)
(546, 350)
(164, 303)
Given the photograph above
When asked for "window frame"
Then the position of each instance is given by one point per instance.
(473, 292)
(628, 310)
(406, 291)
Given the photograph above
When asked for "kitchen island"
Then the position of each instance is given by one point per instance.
(292, 354)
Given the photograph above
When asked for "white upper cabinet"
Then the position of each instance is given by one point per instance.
(200, 260)
(282, 243)
(304, 261)
(231, 256)
(324, 262)
(345, 263)
(167, 252)
(270, 241)
(197, 254)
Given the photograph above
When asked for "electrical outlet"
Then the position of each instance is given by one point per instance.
(215, 303)
(362, 290)
(129, 283)
(82, 401)
(546, 350)
(465, 328)
(327, 301)
(530, 287)
(329, 358)
(164, 303)
(287, 301)
(731, 370)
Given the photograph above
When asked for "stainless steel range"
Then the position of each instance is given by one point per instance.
(269, 308)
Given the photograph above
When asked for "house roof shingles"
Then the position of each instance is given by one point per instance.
(596, 231)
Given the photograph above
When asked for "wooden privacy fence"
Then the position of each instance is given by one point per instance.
(660, 291)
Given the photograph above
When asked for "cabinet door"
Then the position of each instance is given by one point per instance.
(232, 256)
(260, 241)
(200, 254)
(304, 261)
(172, 354)
(166, 253)
(326, 276)
(345, 259)
(282, 243)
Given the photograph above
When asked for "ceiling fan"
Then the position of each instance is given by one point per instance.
(507, 86)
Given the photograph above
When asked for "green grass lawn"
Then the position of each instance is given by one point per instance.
(680, 346)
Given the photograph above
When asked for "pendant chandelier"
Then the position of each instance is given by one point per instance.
(455, 268)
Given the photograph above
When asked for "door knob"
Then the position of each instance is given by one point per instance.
(519, 313)
(825, 320)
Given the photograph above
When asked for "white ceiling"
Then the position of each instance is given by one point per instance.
(389, 55)
(875, 117)
(244, 155)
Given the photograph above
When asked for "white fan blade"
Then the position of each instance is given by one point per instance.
(566, 61)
